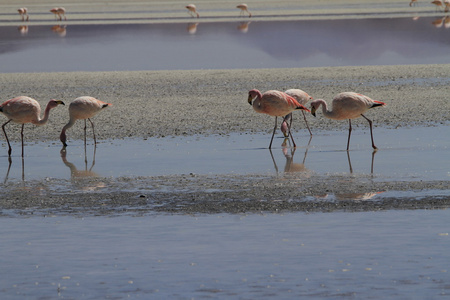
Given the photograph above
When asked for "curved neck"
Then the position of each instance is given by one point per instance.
(257, 102)
(45, 118)
(325, 110)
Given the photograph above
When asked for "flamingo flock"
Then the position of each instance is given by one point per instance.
(346, 105)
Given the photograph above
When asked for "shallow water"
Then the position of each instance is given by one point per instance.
(381, 255)
(225, 45)
(405, 154)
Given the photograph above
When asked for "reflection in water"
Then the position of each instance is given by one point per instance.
(23, 30)
(77, 175)
(192, 28)
(243, 27)
(357, 196)
(60, 30)
(371, 164)
(444, 21)
(9, 169)
(290, 166)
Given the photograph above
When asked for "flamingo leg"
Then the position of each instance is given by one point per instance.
(274, 129)
(290, 133)
(85, 132)
(307, 126)
(21, 136)
(371, 134)
(6, 136)
(93, 131)
(349, 132)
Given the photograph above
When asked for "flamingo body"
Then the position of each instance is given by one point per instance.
(83, 108)
(274, 103)
(347, 105)
(24, 110)
(302, 97)
(244, 8)
(192, 9)
(23, 11)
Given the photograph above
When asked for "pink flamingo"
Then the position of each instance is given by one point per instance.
(438, 4)
(347, 105)
(62, 12)
(83, 108)
(54, 11)
(192, 10)
(244, 8)
(413, 2)
(23, 11)
(274, 103)
(446, 3)
(302, 97)
(24, 110)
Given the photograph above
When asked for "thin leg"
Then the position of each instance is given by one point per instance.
(273, 160)
(85, 132)
(93, 131)
(21, 135)
(371, 134)
(6, 136)
(349, 132)
(349, 163)
(274, 129)
(307, 126)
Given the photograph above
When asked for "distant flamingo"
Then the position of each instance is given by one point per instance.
(446, 3)
(347, 105)
(274, 103)
(244, 8)
(413, 2)
(59, 12)
(438, 4)
(83, 108)
(302, 97)
(24, 110)
(192, 10)
(23, 11)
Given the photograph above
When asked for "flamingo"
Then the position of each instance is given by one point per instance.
(438, 4)
(446, 3)
(83, 108)
(62, 11)
(244, 8)
(24, 110)
(23, 11)
(54, 11)
(413, 2)
(302, 97)
(192, 10)
(274, 103)
(347, 105)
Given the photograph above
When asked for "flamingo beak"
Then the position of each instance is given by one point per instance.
(59, 102)
(313, 111)
(250, 99)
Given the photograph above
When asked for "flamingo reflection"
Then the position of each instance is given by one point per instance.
(60, 30)
(192, 28)
(9, 169)
(290, 166)
(371, 164)
(78, 175)
(243, 27)
(23, 30)
(438, 23)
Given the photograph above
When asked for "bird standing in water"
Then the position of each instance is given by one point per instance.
(274, 103)
(244, 8)
(23, 11)
(24, 110)
(83, 108)
(347, 105)
(192, 10)
(302, 97)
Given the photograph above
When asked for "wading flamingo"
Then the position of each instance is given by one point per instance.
(192, 10)
(54, 11)
(302, 97)
(413, 2)
(24, 110)
(244, 8)
(83, 108)
(275, 104)
(23, 11)
(438, 4)
(59, 12)
(347, 105)
(446, 3)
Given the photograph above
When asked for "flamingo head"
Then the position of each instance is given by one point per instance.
(252, 95)
(314, 106)
(54, 103)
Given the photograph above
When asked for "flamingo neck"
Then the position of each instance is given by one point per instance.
(45, 118)
(325, 111)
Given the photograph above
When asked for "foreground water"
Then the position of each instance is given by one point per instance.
(381, 255)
